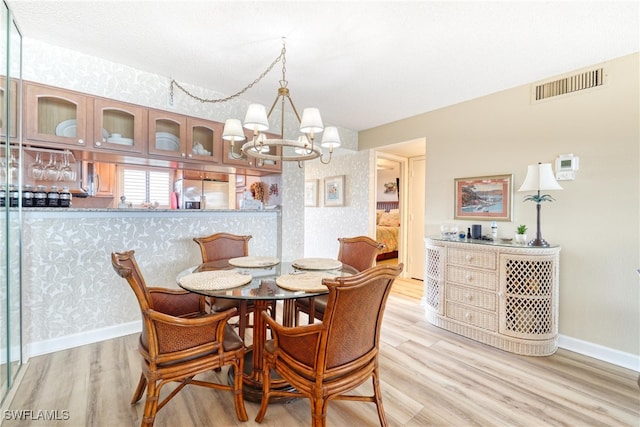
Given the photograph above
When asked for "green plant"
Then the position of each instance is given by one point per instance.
(522, 229)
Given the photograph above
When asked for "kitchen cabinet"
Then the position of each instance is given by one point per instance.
(119, 126)
(56, 116)
(13, 107)
(234, 156)
(502, 295)
(107, 176)
(187, 138)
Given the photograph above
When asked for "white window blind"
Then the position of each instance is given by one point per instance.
(142, 185)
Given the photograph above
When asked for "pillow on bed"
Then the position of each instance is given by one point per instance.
(379, 213)
(390, 219)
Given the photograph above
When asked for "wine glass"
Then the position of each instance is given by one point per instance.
(14, 168)
(51, 171)
(37, 167)
(67, 173)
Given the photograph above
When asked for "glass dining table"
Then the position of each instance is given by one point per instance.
(260, 291)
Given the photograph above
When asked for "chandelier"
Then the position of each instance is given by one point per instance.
(256, 120)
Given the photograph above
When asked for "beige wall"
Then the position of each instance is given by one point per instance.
(595, 218)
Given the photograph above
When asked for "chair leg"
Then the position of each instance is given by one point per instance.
(238, 399)
(142, 385)
(266, 387)
(319, 412)
(377, 395)
(151, 404)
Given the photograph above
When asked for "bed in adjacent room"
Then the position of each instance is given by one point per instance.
(388, 229)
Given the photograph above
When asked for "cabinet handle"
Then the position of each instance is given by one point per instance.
(190, 155)
(468, 277)
(469, 297)
(81, 141)
(468, 257)
(467, 316)
(98, 144)
(183, 155)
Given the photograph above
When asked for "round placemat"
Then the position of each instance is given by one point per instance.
(317, 264)
(254, 261)
(309, 281)
(214, 280)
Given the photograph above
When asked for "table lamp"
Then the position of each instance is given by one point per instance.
(539, 177)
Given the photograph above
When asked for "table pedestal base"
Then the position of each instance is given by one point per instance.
(252, 388)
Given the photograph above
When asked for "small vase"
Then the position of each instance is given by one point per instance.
(521, 239)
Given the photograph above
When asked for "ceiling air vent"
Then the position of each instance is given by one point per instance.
(573, 83)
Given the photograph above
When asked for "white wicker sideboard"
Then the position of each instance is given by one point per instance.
(503, 295)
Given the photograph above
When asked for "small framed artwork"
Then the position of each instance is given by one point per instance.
(334, 191)
(311, 192)
(483, 197)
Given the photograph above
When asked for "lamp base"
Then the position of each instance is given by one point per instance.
(538, 242)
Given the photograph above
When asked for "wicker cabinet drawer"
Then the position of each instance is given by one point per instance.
(472, 258)
(472, 316)
(476, 278)
(470, 296)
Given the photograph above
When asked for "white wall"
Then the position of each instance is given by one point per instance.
(595, 217)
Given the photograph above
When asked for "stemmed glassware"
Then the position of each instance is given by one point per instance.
(14, 169)
(37, 167)
(51, 171)
(67, 173)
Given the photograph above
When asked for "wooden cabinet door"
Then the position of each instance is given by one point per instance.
(107, 174)
(234, 156)
(119, 126)
(167, 134)
(13, 108)
(204, 140)
(56, 116)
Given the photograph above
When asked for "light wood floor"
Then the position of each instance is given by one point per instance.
(430, 377)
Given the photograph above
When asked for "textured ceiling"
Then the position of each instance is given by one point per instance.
(363, 64)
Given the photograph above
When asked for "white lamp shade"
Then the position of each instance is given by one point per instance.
(233, 130)
(256, 118)
(540, 177)
(311, 121)
(330, 137)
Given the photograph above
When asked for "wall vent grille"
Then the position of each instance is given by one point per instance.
(573, 83)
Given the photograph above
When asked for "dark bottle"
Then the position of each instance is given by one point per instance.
(40, 197)
(469, 233)
(3, 197)
(14, 195)
(53, 197)
(65, 197)
(27, 196)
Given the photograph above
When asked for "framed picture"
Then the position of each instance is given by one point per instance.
(484, 197)
(334, 191)
(311, 192)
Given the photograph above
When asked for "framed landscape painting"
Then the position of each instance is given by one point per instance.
(334, 191)
(484, 198)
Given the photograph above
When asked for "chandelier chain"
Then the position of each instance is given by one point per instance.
(279, 58)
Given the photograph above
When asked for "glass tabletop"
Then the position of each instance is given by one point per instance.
(263, 284)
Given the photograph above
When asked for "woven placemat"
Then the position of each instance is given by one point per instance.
(214, 280)
(254, 261)
(308, 281)
(317, 264)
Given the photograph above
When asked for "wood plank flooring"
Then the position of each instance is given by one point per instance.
(430, 377)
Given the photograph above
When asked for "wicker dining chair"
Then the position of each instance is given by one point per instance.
(359, 252)
(325, 361)
(180, 340)
(224, 246)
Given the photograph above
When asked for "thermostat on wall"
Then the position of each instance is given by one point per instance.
(566, 167)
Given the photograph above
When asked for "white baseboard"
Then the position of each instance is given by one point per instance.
(77, 340)
(615, 357)
(606, 354)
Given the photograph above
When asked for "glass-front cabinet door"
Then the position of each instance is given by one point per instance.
(204, 140)
(233, 155)
(55, 115)
(119, 126)
(167, 134)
